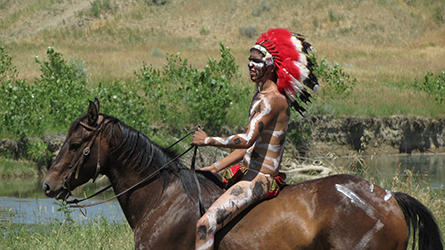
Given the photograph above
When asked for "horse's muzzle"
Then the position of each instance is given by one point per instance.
(59, 193)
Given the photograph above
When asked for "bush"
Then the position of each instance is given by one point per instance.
(8, 71)
(177, 95)
(249, 32)
(181, 94)
(433, 85)
(53, 101)
(37, 151)
(339, 84)
(99, 7)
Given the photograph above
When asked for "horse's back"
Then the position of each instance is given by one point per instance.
(336, 212)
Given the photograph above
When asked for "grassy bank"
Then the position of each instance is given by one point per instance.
(98, 234)
(16, 169)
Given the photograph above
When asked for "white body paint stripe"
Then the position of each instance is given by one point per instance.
(212, 213)
(366, 207)
(253, 122)
(275, 133)
(368, 236)
(388, 195)
(273, 148)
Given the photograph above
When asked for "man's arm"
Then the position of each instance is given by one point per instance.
(263, 112)
(235, 157)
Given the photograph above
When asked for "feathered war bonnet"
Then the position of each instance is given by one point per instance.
(294, 69)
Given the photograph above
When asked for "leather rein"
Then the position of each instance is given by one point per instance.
(97, 132)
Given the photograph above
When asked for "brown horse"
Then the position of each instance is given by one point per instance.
(337, 212)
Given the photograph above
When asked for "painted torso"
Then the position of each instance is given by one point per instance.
(265, 154)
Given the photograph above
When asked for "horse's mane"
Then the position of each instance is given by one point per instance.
(137, 151)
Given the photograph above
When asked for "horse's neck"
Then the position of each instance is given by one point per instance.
(145, 199)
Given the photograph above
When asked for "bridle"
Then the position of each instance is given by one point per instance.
(97, 132)
(75, 168)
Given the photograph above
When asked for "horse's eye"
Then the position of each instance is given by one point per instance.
(74, 146)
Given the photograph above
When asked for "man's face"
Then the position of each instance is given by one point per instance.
(257, 66)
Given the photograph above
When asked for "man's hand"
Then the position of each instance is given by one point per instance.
(211, 168)
(199, 138)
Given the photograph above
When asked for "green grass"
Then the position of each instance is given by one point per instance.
(16, 169)
(98, 234)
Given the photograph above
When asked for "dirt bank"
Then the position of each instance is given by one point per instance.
(393, 135)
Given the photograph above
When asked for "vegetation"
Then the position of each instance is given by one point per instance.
(178, 95)
(362, 43)
(433, 85)
(67, 234)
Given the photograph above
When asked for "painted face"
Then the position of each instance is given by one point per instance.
(257, 66)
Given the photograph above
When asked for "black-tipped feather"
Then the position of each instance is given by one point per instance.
(311, 81)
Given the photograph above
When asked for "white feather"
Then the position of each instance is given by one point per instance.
(304, 72)
(297, 43)
(302, 59)
(289, 95)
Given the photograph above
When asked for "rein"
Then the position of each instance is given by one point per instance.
(201, 206)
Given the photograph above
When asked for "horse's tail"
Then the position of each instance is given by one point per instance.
(422, 220)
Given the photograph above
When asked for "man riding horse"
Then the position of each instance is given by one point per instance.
(279, 67)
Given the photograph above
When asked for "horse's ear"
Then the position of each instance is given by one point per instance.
(96, 102)
(93, 113)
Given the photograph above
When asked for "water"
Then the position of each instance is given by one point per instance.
(427, 169)
(23, 201)
(45, 210)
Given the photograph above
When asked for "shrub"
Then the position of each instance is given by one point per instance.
(8, 71)
(156, 2)
(61, 91)
(249, 32)
(157, 52)
(181, 92)
(204, 31)
(122, 100)
(53, 101)
(37, 151)
(176, 95)
(433, 85)
(339, 84)
(99, 7)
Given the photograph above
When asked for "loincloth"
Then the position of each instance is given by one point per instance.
(237, 172)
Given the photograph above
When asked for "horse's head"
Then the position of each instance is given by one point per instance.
(79, 158)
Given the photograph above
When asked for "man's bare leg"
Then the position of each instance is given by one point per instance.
(251, 189)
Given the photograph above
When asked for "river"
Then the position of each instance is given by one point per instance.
(23, 201)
